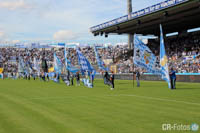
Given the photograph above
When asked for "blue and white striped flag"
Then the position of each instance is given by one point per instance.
(100, 63)
(36, 65)
(68, 64)
(57, 64)
(164, 60)
(84, 63)
(28, 67)
(21, 65)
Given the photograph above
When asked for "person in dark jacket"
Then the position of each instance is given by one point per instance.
(77, 79)
(173, 78)
(47, 77)
(72, 79)
(68, 76)
(43, 76)
(106, 78)
(92, 78)
(138, 78)
(112, 79)
(65, 79)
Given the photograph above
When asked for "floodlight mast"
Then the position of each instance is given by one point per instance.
(130, 36)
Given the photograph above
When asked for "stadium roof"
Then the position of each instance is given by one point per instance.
(174, 15)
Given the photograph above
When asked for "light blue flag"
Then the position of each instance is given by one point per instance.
(164, 60)
(68, 64)
(100, 63)
(57, 64)
(29, 66)
(84, 64)
(36, 65)
(144, 58)
(21, 65)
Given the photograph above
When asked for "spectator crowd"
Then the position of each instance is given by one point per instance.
(183, 53)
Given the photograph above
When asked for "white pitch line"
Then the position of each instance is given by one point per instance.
(55, 98)
(129, 95)
(158, 99)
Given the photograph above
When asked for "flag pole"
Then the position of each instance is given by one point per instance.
(133, 66)
(65, 56)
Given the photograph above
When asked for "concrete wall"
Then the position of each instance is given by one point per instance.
(180, 78)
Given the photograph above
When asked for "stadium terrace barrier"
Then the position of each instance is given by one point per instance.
(195, 78)
(1, 76)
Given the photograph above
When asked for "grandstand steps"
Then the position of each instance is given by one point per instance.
(125, 56)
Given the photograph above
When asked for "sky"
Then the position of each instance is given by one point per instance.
(61, 20)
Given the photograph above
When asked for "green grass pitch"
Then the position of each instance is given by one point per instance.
(41, 107)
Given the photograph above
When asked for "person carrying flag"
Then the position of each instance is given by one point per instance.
(68, 78)
(72, 79)
(92, 77)
(173, 78)
(86, 68)
(43, 76)
(106, 78)
(112, 78)
(137, 73)
(77, 79)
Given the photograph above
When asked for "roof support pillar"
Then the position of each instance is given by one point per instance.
(130, 41)
(130, 36)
